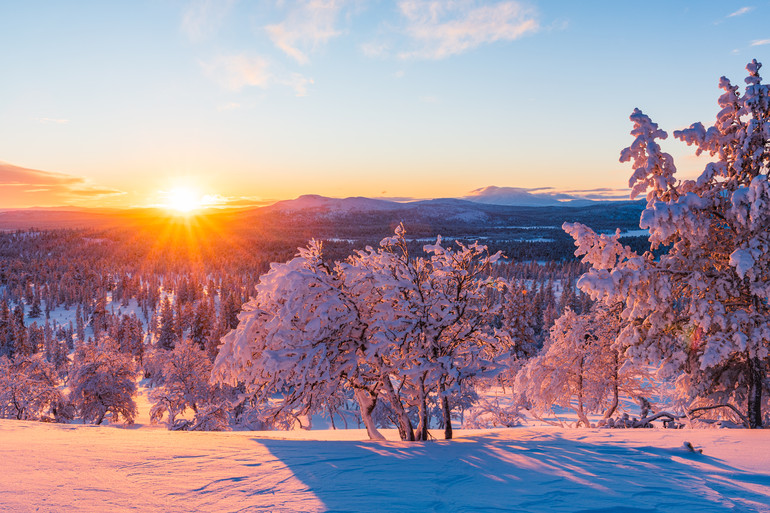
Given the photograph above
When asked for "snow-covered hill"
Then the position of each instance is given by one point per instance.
(314, 201)
(50, 467)
(515, 196)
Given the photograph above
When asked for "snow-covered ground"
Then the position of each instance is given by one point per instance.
(50, 467)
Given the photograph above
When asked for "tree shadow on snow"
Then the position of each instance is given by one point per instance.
(511, 472)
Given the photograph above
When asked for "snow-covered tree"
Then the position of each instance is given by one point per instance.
(103, 380)
(381, 324)
(166, 330)
(7, 346)
(181, 380)
(302, 336)
(581, 367)
(517, 329)
(437, 312)
(129, 333)
(703, 306)
(202, 322)
(29, 389)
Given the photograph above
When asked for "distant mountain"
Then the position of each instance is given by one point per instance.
(314, 201)
(465, 207)
(481, 206)
(515, 196)
(442, 215)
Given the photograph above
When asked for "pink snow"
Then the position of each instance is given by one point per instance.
(54, 467)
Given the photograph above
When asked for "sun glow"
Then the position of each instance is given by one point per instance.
(183, 200)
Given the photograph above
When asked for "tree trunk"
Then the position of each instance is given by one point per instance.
(405, 430)
(756, 377)
(366, 403)
(422, 426)
(447, 416)
(582, 419)
(614, 405)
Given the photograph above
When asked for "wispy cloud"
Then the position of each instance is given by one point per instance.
(203, 18)
(53, 121)
(601, 193)
(760, 42)
(374, 49)
(439, 29)
(220, 201)
(26, 187)
(235, 72)
(309, 24)
(299, 83)
(229, 106)
(740, 12)
(519, 194)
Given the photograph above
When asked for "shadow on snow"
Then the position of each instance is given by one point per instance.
(503, 472)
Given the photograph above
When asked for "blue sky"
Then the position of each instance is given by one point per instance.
(112, 103)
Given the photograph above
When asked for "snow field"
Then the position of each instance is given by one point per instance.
(54, 467)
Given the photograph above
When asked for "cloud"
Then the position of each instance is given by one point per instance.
(374, 49)
(204, 18)
(229, 106)
(397, 199)
(601, 193)
(297, 82)
(22, 187)
(53, 121)
(740, 12)
(439, 29)
(235, 72)
(543, 195)
(219, 201)
(760, 42)
(309, 24)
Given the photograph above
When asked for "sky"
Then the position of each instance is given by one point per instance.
(248, 101)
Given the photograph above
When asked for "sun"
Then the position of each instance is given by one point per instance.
(183, 200)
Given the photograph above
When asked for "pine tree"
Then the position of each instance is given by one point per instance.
(229, 310)
(35, 310)
(80, 329)
(99, 317)
(6, 330)
(166, 334)
(202, 323)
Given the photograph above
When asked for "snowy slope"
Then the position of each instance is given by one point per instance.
(50, 467)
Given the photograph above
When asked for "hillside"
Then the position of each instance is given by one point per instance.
(73, 467)
(522, 232)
